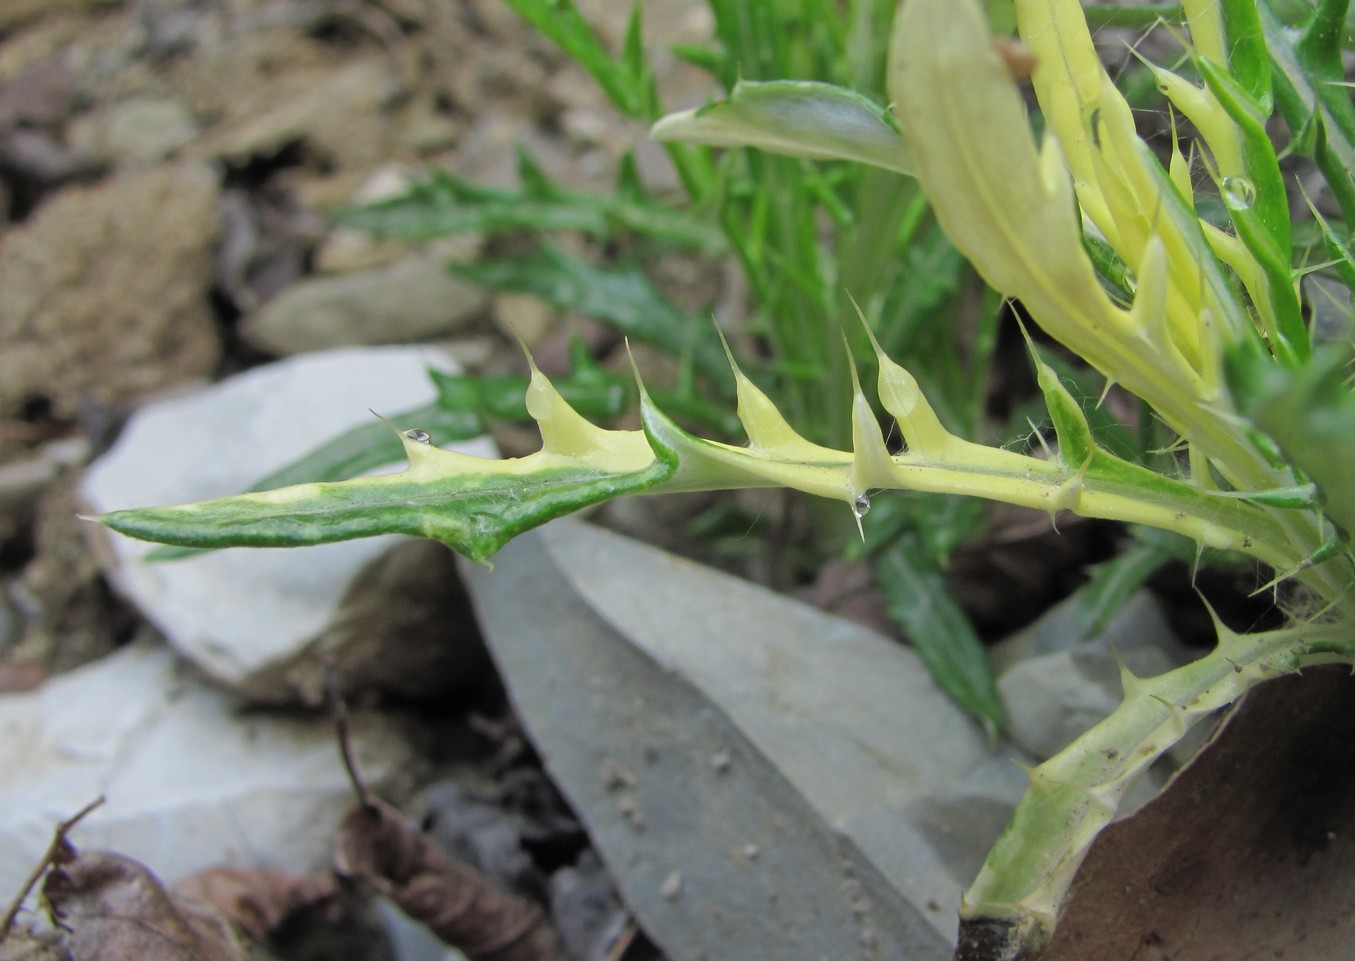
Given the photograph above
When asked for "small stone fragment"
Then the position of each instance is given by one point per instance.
(615, 777)
(632, 814)
(413, 299)
(138, 131)
(671, 888)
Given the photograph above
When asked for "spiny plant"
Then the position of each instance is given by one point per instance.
(810, 239)
(1106, 249)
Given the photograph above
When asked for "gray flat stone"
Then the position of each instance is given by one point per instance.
(766, 781)
(411, 300)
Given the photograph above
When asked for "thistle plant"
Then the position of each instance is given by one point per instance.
(1103, 246)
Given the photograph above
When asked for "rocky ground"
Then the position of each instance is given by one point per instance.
(166, 171)
(179, 316)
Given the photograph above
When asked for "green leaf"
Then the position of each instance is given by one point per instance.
(1082, 386)
(1248, 62)
(918, 598)
(625, 81)
(1309, 412)
(464, 409)
(444, 205)
(1112, 583)
(474, 515)
(797, 118)
(1339, 250)
(1258, 206)
(625, 299)
(698, 55)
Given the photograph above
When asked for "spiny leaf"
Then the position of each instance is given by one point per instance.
(1077, 792)
(476, 505)
(471, 504)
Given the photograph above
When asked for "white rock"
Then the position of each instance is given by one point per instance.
(262, 621)
(189, 782)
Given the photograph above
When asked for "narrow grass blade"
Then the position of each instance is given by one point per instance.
(443, 205)
(1113, 583)
(623, 298)
(625, 80)
(918, 599)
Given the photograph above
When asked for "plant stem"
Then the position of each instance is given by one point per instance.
(1077, 792)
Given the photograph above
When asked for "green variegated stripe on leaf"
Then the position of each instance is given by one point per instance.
(464, 408)
(472, 504)
(798, 118)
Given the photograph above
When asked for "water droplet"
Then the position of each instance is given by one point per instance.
(419, 436)
(1238, 192)
(861, 506)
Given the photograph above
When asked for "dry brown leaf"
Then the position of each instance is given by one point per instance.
(1246, 854)
(461, 906)
(256, 900)
(17, 676)
(115, 909)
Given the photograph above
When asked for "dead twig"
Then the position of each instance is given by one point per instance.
(338, 709)
(57, 851)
